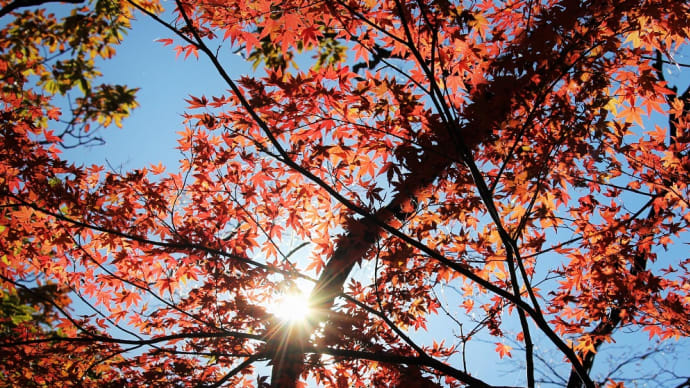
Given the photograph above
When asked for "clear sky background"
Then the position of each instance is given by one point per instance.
(148, 137)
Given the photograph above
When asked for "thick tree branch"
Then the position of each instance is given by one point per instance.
(408, 360)
(150, 341)
(15, 5)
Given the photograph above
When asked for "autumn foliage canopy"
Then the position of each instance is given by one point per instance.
(509, 173)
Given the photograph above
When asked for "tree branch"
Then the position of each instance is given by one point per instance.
(155, 340)
(13, 6)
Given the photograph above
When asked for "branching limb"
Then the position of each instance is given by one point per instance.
(15, 5)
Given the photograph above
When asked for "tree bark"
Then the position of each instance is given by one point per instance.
(28, 3)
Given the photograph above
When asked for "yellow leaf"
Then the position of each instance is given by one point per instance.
(634, 37)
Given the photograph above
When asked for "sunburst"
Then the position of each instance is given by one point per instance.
(292, 306)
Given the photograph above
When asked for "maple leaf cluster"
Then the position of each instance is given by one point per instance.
(494, 151)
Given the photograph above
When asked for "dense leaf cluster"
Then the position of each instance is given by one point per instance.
(484, 166)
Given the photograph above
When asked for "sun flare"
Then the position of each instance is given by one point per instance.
(292, 307)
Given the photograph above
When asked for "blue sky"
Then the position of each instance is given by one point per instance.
(148, 136)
